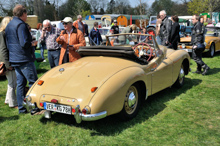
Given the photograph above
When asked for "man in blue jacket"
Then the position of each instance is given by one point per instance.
(95, 36)
(21, 54)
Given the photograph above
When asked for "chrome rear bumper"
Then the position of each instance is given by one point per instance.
(79, 117)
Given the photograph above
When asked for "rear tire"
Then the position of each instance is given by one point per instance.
(180, 79)
(152, 31)
(132, 103)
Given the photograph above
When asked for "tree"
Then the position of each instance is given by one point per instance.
(85, 13)
(94, 5)
(159, 5)
(111, 7)
(73, 8)
(180, 9)
(121, 7)
(201, 6)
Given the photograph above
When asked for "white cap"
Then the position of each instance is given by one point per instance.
(67, 19)
(115, 21)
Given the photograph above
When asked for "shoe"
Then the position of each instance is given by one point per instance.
(23, 112)
(205, 71)
(44, 60)
(35, 110)
(197, 72)
(16, 107)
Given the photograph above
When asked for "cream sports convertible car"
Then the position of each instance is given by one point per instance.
(110, 79)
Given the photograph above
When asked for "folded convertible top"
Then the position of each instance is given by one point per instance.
(121, 52)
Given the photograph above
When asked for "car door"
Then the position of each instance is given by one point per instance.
(161, 72)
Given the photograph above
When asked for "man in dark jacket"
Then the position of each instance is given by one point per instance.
(165, 28)
(95, 36)
(198, 45)
(21, 54)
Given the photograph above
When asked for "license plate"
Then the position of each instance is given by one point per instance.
(58, 108)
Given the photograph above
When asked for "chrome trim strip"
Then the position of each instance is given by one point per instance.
(28, 105)
(79, 117)
(93, 117)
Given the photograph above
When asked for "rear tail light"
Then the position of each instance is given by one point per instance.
(93, 89)
(54, 101)
(85, 111)
(41, 104)
(73, 110)
(40, 82)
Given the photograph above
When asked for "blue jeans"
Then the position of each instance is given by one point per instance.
(25, 72)
(42, 48)
(53, 57)
(158, 40)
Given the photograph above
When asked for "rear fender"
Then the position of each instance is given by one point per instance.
(110, 96)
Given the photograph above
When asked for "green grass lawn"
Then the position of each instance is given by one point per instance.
(186, 116)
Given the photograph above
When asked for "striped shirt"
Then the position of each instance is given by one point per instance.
(50, 39)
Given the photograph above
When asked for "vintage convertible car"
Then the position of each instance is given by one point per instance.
(107, 80)
(212, 41)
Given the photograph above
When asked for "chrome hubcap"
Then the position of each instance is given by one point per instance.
(131, 100)
(212, 50)
(181, 75)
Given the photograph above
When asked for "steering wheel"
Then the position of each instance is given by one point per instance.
(143, 52)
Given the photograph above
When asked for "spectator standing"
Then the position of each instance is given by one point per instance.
(70, 39)
(129, 29)
(158, 24)
(79, 25)
(198, 45)
(86, 28)
(21, 57)
(94, 35)
(49, 36)
(42, 44)
(10, 99)
(175, 37)
(115, 28)
(165, 29)
(143, 38)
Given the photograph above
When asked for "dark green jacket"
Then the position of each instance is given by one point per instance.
(3, 50)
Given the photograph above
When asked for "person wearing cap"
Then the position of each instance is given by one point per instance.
(79, 25)
(115, 27)
(49, 36)
(70, 39)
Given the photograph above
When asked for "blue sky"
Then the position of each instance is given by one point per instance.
(134, 3)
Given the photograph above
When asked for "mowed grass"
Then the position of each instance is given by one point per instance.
(186, 116)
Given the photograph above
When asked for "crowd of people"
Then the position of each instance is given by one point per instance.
(17, 50)
(17, 46)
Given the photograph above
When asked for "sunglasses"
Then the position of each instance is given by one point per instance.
(65, 23)
(47, 27)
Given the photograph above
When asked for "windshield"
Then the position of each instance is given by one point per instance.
(133, 40)
(130, 39)
(104, 31)
(212, 31)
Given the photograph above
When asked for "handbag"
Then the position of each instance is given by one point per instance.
(2, 68)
